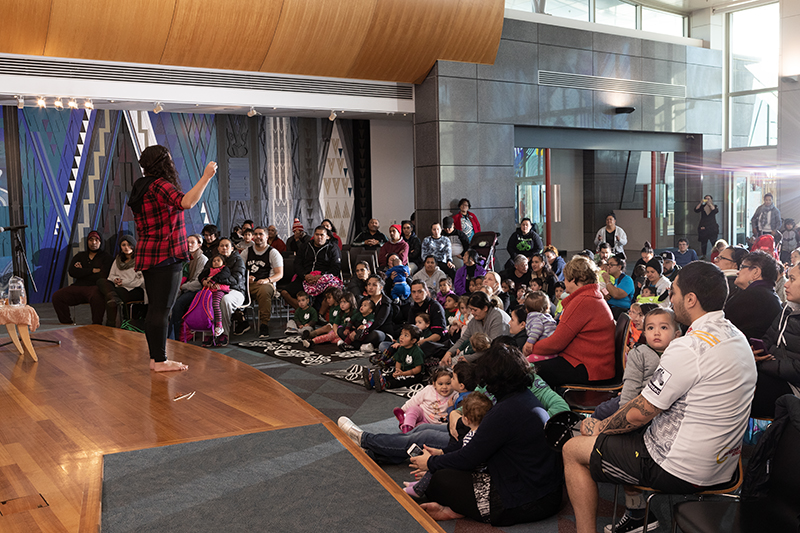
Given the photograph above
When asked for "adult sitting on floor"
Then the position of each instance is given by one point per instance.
(264, 266)
(696, 404)
(190, 284)
(486, 318)
(430, 274)
(584, 338)
(423, 303)
(318, 264)
(778, 362)
(299, 238)
(382, 326)
(520, 273)
(394, 246)
(235, 297)
(371, 238)
(755, 306)
(124, 283)
(439, 247)
(522, 480)
(471, 269)
(86, 269)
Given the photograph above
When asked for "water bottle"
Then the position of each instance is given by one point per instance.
(16, 292)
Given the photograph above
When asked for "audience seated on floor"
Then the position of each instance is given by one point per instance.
(86, 268)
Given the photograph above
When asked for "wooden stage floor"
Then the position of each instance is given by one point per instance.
(95, 395)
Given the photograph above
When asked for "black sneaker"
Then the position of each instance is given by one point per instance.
(628, 524)
(263, 331)
(380, 383)
(241, 327)
(222, 340)
(367, 375)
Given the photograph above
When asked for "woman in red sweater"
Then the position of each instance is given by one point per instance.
(584, 337)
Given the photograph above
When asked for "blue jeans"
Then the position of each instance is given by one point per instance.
(393, 448)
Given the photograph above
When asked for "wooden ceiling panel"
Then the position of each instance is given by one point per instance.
(319, 37)
(475, 32)
(24, 28)
(114, 31)
(223, 34)
(404, 39)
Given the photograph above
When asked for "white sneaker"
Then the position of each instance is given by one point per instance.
(367, 348)
(306, 343)
(350, 429)
(339, 342)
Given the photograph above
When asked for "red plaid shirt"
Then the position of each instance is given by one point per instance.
(160, 227)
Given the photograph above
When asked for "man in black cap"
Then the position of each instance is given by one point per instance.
(671, 269)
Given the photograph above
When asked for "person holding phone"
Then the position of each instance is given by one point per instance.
(708, 229)
(777, 354)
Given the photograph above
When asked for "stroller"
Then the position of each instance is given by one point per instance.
(484, 243)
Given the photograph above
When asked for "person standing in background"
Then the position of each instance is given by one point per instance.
(708, 229)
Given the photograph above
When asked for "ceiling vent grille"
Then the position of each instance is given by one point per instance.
(23, 66)
(598, 83)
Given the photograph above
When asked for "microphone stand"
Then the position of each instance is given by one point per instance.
(19, 252)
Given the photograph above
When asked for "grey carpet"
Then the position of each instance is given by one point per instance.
(298, 479)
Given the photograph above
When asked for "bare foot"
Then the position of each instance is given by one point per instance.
(439, 512)
(168, 366)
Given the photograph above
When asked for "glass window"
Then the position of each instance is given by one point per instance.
(754, 120)
(570, 9)
(530, 194)
(615, 13)
(662, 22)
(754, 48)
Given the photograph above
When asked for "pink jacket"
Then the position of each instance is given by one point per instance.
(433, 404)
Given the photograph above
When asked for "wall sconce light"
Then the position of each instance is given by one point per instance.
(20, 102)
(73, 104)
(332, 116)
(58, 104)
(41, 102)
(158, 109)
(88, 104)
(624, 110)
(252, 112)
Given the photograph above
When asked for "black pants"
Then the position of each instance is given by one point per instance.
(126, 295)
(768, 390)
(558, 371)
(162, 284)
(454, 489)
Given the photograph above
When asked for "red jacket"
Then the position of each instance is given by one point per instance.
(585, 334)
(476, 226)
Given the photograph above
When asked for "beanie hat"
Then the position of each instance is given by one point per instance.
(447, 222)
(297, 225)
(655, 264)
(397, 227)
(95, 235)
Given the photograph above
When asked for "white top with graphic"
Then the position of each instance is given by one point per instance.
(704, 386)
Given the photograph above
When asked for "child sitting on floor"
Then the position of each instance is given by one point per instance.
(428, 406)
(474, 408)
(340, 316)
(398, 273)
(219, 280)
(450, 308)
(539, 324)
(304, 318)
(423, 322)
(464, 382)
(445, 290)
(479, 342)
(408, 360)
(462, 317)
(359, 325)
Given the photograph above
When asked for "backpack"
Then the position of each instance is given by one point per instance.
(200, 316)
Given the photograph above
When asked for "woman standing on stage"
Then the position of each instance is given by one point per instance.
(158, 203)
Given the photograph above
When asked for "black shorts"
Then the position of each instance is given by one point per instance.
(624, 459)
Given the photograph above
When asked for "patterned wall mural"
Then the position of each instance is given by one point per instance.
(78, 168)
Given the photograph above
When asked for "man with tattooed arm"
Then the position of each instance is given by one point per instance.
(696, 404)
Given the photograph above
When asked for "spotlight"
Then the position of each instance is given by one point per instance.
(41, 102)
(252, 112)
(20, 102)
(159, 108)
(624, 110)
(332, 116)
(58, 104)
(88, 104)
(73, 104)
